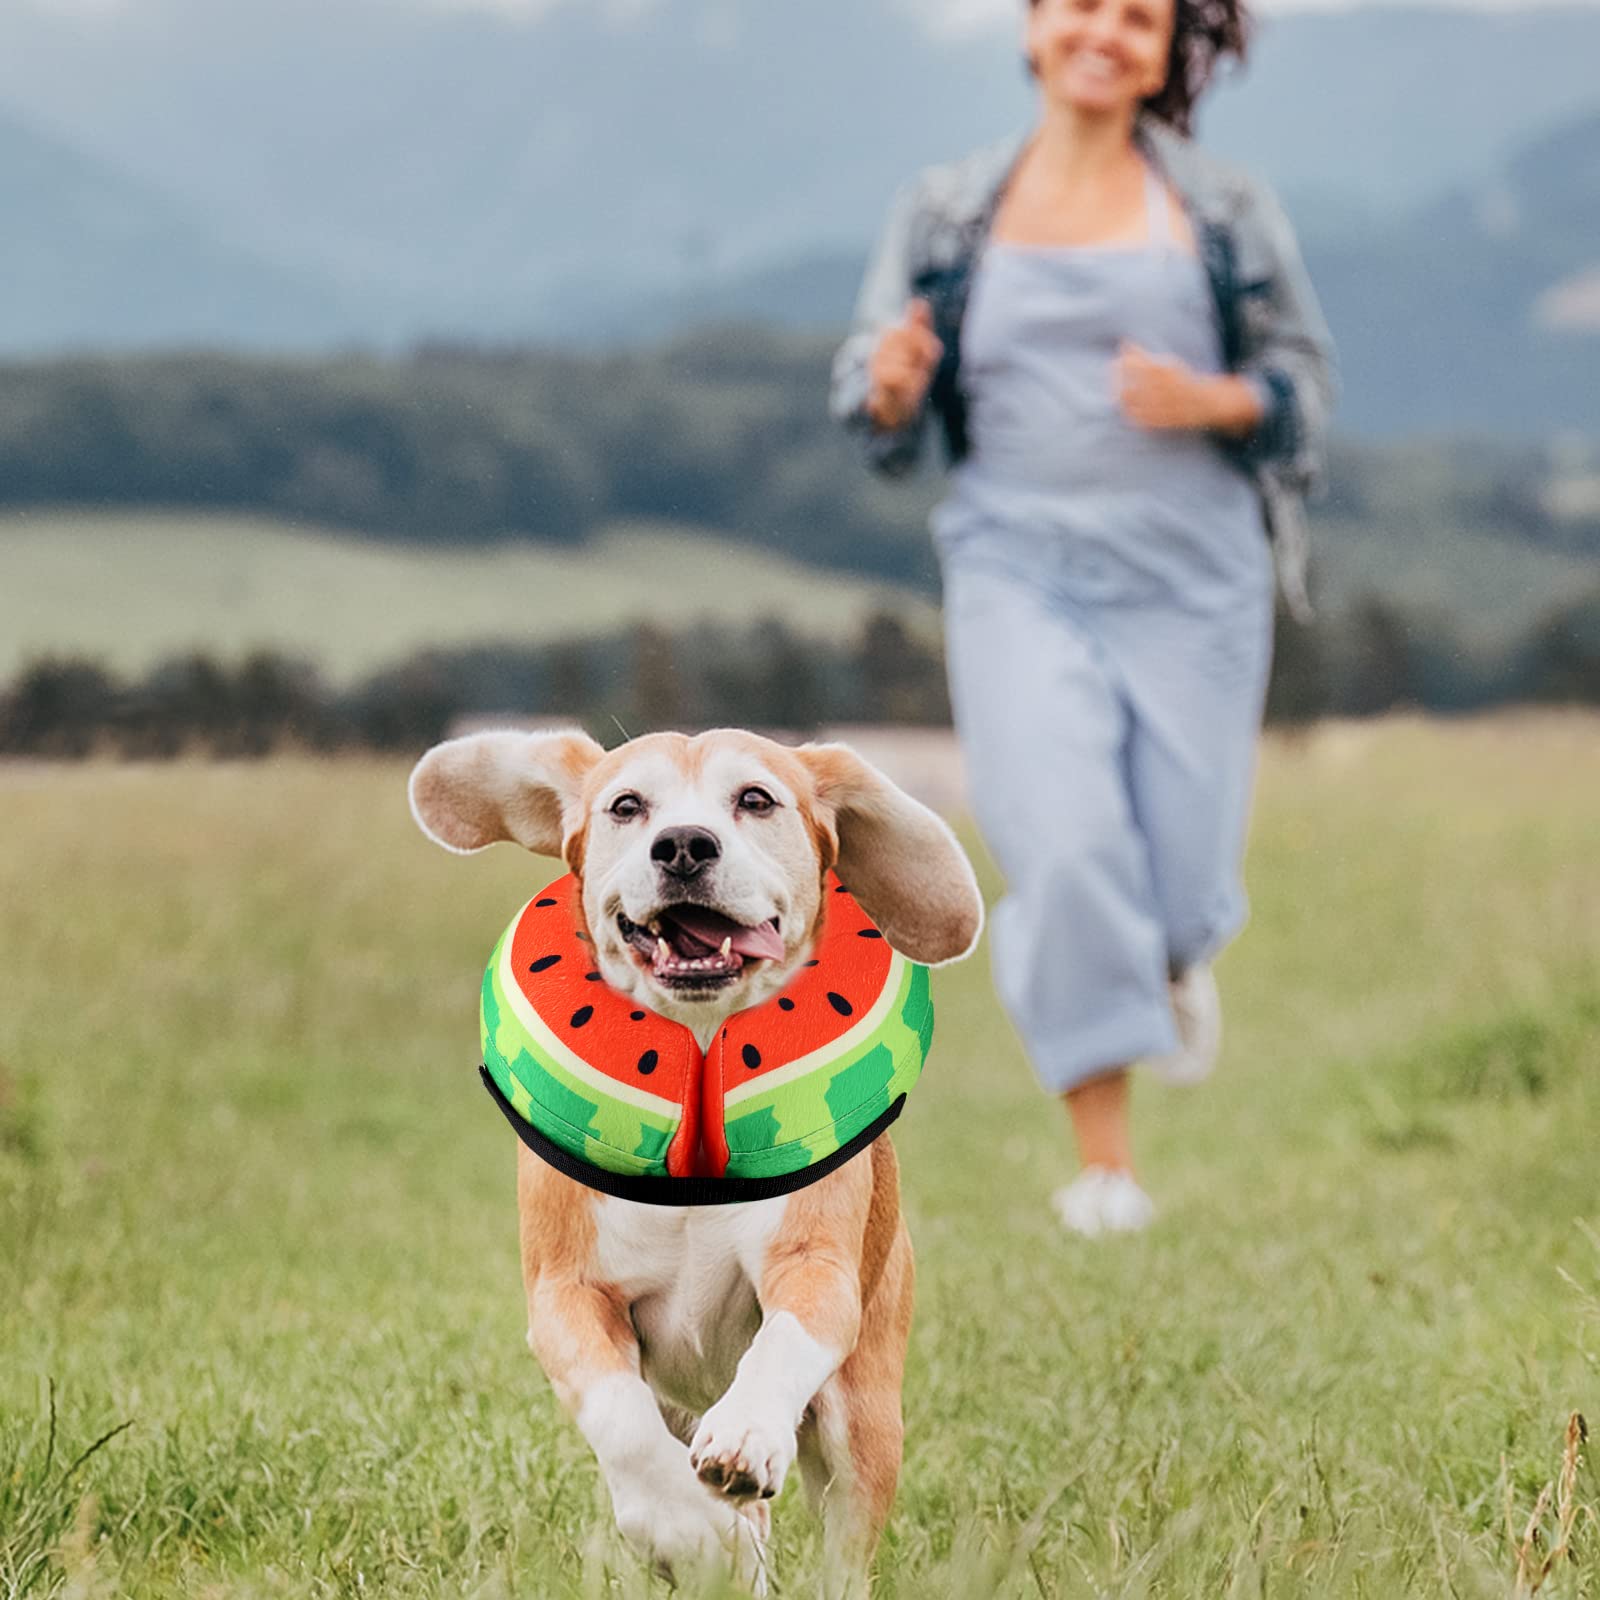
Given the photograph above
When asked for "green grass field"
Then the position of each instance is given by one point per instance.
(256, 1214)
(130, 589)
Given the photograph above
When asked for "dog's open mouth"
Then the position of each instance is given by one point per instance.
(694, 947)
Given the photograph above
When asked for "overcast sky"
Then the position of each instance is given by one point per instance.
(940, 15)
(963, 14)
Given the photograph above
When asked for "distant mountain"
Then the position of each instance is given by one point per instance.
(464, 171)
(91, 258)
(1477, 310)
(1385, 106)
(336, 171)
(1452, 317)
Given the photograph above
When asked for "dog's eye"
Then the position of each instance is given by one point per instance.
(757, 800)
(625, 807)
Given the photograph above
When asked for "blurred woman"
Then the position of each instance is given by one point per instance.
(1133, 378)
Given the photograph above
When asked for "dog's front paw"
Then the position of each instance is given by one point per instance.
(686, 1533)
(740, 1454)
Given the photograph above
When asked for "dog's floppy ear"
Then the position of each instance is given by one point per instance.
(900, 861)
(472, 792)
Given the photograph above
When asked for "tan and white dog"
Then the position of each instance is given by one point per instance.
(704, 1349)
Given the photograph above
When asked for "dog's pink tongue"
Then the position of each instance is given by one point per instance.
(762, 942)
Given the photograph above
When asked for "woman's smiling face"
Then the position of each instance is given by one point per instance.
(1100, 55)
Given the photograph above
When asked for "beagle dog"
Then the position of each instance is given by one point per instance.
(703, 1350)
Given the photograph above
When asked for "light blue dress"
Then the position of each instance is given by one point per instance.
(1108, 615)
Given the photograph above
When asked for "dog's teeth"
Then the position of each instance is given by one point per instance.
(727, 945)
(655, 926)
(663, 954)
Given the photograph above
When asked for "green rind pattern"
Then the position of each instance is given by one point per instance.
(591, 1126)
(800, 1122)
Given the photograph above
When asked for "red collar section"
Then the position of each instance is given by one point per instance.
(619, 1041)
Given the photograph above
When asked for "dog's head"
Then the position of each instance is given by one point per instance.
(702, 859)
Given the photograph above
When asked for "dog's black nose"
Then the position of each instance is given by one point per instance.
(684, 851)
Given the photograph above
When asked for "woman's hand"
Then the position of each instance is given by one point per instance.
(1167, 394)
(902, 367)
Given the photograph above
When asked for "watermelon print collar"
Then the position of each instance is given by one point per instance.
(622, 1098)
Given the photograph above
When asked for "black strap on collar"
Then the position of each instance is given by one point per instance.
(684, 1191)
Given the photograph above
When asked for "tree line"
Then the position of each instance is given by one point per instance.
(636, 679)
(724, 429)
(454, 446)
(1369, 659)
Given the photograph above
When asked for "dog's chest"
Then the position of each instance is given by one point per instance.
(690, 1276)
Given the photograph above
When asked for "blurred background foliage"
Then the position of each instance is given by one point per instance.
(466, 389)
(1452, 574)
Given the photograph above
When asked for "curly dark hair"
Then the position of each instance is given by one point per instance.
(1203, 32)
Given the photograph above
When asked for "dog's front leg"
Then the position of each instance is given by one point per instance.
(585, 1341)
(810, 1292)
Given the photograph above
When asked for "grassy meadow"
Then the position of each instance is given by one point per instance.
(257, 1234)
(129, 589)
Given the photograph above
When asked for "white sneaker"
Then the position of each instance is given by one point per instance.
(1197, 1010)
(1100, 1201)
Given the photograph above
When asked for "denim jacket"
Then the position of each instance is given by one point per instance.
(1271, 327)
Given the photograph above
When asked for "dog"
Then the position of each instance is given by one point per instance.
(704, 1350)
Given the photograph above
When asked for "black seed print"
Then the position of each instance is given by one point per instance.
(544, 902)
(637, 1016)
(647, 1062)
(868, 933)
(841, 890)
(542, 963)
(786, 1004)
(812, 963)
(582, 1015)
(840, 1004)
(591, 977)
(752, 1057)
(583, 936)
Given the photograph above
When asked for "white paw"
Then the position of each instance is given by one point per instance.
(1197, 1011)
(687, 1532)
(740, 1454)
(1100, 1201)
